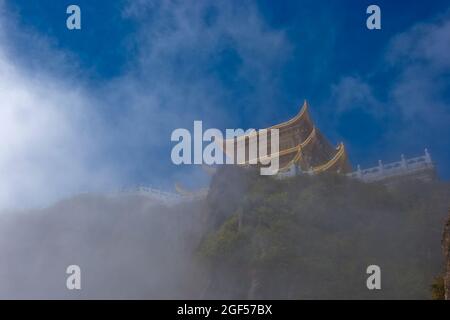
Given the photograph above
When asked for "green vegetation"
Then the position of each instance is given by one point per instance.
(313, 237)
(438, 289)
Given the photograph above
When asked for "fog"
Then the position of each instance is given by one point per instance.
(252, 237)
(126, 246)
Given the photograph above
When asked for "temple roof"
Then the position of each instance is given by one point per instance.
(300, 143)
(302, 115)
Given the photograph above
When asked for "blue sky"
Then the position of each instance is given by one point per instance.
(139, 69)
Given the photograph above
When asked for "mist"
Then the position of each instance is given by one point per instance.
(126, 246)
(251, 237)
(71, 138)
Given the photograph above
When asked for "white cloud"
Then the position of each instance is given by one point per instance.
(422, 55)
(48, 143)
(54, 128)
(424, 43)
(416, 104)
(354, 93)
(179, 42)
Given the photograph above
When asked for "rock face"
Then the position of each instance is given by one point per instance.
(446, 249)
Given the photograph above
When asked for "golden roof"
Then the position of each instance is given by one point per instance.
(300, 143)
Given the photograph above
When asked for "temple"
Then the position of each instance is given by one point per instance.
(302, 147)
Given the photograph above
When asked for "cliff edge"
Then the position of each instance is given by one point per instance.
(446, 250)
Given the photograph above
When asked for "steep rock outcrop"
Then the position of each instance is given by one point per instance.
(446, 249)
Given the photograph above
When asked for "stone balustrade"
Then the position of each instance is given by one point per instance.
(398, 168)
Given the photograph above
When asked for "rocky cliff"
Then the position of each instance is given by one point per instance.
(446, 249)
(312, 237)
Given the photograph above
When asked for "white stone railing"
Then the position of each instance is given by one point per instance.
(168, 198)
(402, 167)
(380, 172)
